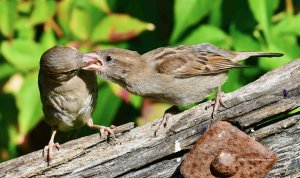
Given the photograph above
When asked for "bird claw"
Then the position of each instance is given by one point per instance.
(106, 131)
(103, 130)
(209, 104)
(216, 103)
(49, 149)
(162, 122)
(212, 103)
(221, 100)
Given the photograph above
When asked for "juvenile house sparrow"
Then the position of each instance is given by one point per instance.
(68, 90)
(178, 75)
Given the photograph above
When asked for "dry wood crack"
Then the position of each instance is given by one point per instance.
(136, 153)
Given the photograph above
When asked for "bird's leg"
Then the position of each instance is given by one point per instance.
(104, 131)
(168, 113)
(51, 144)
(218, 101)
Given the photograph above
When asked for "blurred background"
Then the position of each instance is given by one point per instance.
(29, 27)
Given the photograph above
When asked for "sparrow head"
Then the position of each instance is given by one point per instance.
(62, 63)
(117, 64)
(59, 59)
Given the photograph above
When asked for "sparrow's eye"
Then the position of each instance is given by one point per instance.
(108, 58)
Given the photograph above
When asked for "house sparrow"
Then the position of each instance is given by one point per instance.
(68, 90)
(178, 75)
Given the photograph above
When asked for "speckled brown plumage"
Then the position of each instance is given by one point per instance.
(178, 75)
(68, 90)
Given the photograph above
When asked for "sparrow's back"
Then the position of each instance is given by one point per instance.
(202, 59)
(188, 74)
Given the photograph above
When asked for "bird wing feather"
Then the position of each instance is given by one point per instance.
(187, 61)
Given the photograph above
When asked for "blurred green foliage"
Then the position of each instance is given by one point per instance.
(29, 27)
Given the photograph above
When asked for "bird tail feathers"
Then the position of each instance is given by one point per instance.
(244, 55)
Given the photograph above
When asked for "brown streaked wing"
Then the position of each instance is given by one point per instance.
(184, 62)
(170, 65)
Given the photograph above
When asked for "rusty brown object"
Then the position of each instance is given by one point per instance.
(225, 151)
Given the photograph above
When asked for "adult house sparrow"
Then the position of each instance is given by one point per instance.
(178, 75)
(68, 90)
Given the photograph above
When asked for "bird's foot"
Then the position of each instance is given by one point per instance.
(164, 121)
(107, 131)
(216, 103)
(222, 94)
(51, 144)
(212, 103)
(103, 130)
(49, 149)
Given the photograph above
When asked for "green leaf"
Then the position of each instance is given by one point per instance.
(43, 10)
(285, 40)
(48, 38)
(77, 18)
(216, 16)
(187, 13)
(107, 106)
(6, 71)
(232, 83)
(210, 34)
(8, 109)
(102, 5)
(23, 54)
(263, 11)
(286, 44)
(252, 73)
(294, 111)
(24, 30)
(136, 101)
(29, 104)
(289, 25)
(243, 41)
(25, 6)
(13, 141)
(92, 7)
(64, 10)
(119, 27)
(80, 23)
(8, 17)
(4, 139)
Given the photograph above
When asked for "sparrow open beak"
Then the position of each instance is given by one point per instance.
(91, 61)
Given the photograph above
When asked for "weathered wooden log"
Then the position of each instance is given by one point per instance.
(261, 109)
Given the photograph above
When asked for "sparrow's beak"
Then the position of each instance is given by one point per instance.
(91, 61)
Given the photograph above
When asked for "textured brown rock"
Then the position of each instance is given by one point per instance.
(223, 150)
